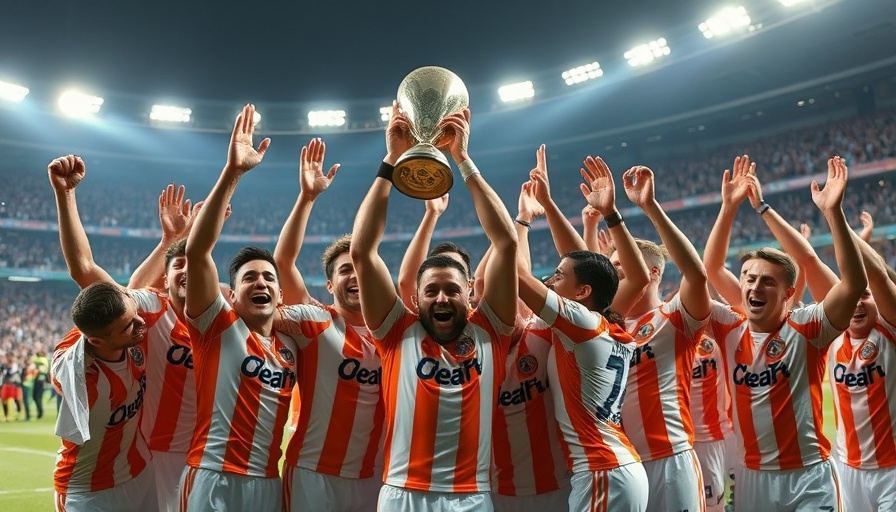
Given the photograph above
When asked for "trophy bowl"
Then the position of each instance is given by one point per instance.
(426, 96)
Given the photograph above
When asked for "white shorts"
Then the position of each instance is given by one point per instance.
(305, 490)
(204, 490)
(731, 452)
(714, 470)
(395, 499)
(135, 495)
(676, 482)
(554, 500)
(867, 490)
(814, 488)
(169, 467)
(623, 489)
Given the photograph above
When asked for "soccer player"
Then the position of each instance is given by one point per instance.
(656, 412)
(442, 366)
(244, 370)
(337, 412)
(775, 358)
(99, 370)
(166, 423)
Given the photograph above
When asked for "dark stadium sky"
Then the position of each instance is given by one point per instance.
(308, 49)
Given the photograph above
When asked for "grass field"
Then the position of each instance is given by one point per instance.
(28, 454)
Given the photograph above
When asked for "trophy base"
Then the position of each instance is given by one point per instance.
(423, 172)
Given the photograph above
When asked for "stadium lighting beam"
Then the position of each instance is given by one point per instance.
(516, 92)
(12, 92)
(644, 54)
(791, 3)
(385, 114)
(326, 118)
(77, 104)
(582, 73)
(256, 118)
(725, 22)
(170, 114)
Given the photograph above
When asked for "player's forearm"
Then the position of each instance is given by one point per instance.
(210, 220)
(73, 239)
(792, 242)
(292, 235)
(151, 272)
(370, 222)
(680, 249)
(716, 249)
(849, 259)
(493, 215)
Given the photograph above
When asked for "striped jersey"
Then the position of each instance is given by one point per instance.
(116, 451)
(775, 381)
(656, 413)
(862, 374)
(528, 458)
(439, 401)
(588, 367)
(710, 400)
(243, 386)
(167, 423)
(339, 420)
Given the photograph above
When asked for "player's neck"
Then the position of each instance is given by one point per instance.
(647, 303)
(767, 325)
(351, 317)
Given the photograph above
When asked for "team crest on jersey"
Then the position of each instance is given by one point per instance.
(644, 332)
(706, 347)
(527, 364)
(286, 355)
(774, 349)
(137, 356)
(464, 345)
(868, 352)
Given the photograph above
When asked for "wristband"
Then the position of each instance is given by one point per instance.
(467, 169)
(385, 171)
(614, 219)
(523, 223)
(763, 207)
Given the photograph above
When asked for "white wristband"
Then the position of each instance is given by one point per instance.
(467, 169)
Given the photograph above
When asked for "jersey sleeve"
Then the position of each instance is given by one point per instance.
(147, 301)
(203, 322)
(391, 330)
(303, 322)
(682, 320)
(813, 324)
(577, 323)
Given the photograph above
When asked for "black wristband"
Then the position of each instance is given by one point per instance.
(614, 219)
(523, 223)
(763, 207)
(385, 171)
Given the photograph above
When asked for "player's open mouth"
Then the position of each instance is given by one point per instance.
(756, 303)
(859, 316)
(352, 289)
(261, 299)
(442, 316)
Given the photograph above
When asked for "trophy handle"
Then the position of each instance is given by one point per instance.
(422, 172)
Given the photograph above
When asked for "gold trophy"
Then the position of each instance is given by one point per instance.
(426, 96)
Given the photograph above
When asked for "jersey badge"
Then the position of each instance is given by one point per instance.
(644, 332)
(137, 356)
(868, 352)
(527, 364)
(706, 347)
(774, 349)
(464, 345)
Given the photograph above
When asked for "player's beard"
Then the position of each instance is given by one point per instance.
(443, 336)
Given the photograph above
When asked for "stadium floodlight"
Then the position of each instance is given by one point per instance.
(725, 22)
(170, 114)
(77, 104)
(582, 73)
(644, 54)
(385, 114)
(326, 118)
(789, 3)
(12, 92)
(516, 92)
(256, 118)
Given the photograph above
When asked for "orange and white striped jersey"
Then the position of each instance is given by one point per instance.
(440, 401)
(656, 414)
(116, 451)
(528, 458)
(587, 368)
(339, 420)
(863, 377)
(710, 400)
(167, 423)
(775, 381)
(243, 385)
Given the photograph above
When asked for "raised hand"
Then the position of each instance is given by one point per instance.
(174, 212)
(242, 155)
(639, 185)
(456, 133)
(805, 230)
(312, 179)
(398, 134)
(734, 184)
(754, 190)
(831, 196)
(66, 172)
(540, 172)
(867, 226)
(437, 205)
(598, 189)
(604, 242)
(529, 206)
(590, 217)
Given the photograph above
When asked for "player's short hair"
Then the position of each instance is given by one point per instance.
(97, 306)
(443, 247)
(338, 247)
(654, 255)
(598, 272)
(176, 250)
(440, 261)
(246, 255)
(776, 257)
